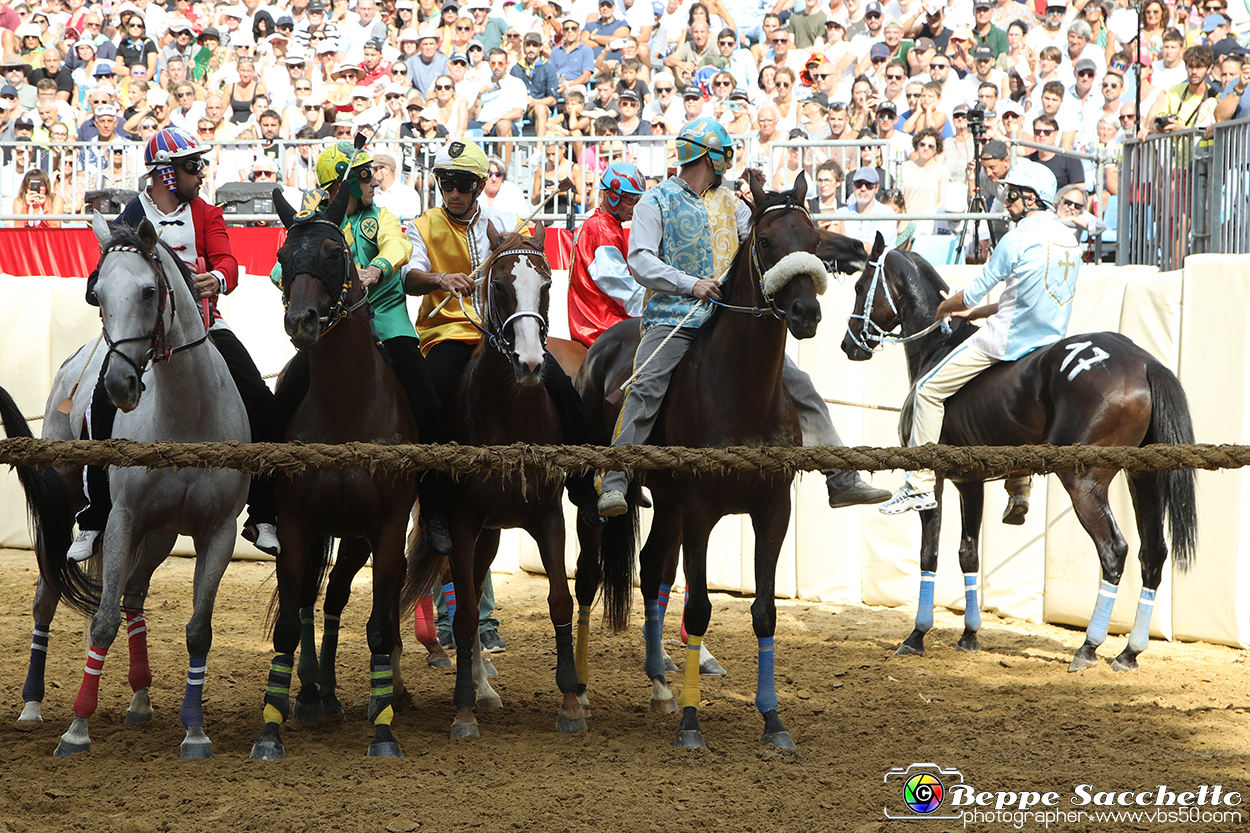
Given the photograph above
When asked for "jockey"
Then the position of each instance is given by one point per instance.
(679, 271)
(196, 232)
(602, 292)
(379, 250)
(1038, 263)
(448, 243)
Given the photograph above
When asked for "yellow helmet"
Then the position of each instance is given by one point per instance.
(335, 159)
(461, 155)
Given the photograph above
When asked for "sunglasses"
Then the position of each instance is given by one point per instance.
(514, 36)
(726, 43)
(259, 174)
(147, 125)
(207, 130)
(464, 28)
(1129, 117)
(300, 65)
(938, 66)
(498, 63)
(1039, 131)
(927, 146)
(722, 83)
(443, 86)
(781, 40)
(187, 94)
(785, 85)
(400, 71)
(569, 28)
(878, 60)
(462, 182)
(1085, 73)
(664, 89)
(495, 175)
(898, 76)
(865, 186)
(192, 166)
(1079, 206)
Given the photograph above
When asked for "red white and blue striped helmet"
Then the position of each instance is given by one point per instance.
(170, 144)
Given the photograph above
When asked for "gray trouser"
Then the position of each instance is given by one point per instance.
(646, 394)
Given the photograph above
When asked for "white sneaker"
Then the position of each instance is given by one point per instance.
(905, 500)
(612, 504)
(83, 546)
(264, 537)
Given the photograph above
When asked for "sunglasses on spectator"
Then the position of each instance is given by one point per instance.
(187, 94)
(865, 186)
(297, 89)
(468, 28)
(206, 130)
(462, 182)
(1043, 131)
(1085, 73)
(570, 27)
(785, 85)
(820, 76)
(495, 174)
(936, 65)
(727, 42)
(398, 71)
(443, 87)
(897, 76)
(781, 40)
(316, 37)
(722, 83)
(340, 132)
(309, 108)
(514, 36)
(259, 174)
(664, 89)
(499, 63)
(927, 145)
(1077, 204)
(192, 166)
(147, 125)
(879, 60)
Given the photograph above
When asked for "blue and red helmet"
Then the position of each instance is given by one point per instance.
(167, 146)
(621, 179)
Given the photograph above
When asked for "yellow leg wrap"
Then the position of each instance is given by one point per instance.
(690, 684)
(384, 717)
(582, 647)
(272, 715)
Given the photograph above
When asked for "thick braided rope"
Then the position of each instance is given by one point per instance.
(555, 461)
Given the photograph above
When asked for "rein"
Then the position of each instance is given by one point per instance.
(157, 352)
(338, 309)
(494, 331)
(881, 335)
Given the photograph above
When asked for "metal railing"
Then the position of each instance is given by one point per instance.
(1228, 188)
(1157, 189)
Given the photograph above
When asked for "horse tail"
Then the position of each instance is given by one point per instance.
(618, 552)
(50, 510)
(1171, 424)
(424, 574)
(316, 564)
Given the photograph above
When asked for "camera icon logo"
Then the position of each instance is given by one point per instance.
(922, 789)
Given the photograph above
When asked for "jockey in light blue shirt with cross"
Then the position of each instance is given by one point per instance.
(1038, 264)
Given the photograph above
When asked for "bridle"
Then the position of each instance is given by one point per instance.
(762, 275)
(338, 307)
(494, 330)
(158, 351)
(879, 334)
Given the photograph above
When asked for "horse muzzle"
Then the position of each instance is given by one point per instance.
(124, 386)
(303, 326)
(803, 317)
(857, 349)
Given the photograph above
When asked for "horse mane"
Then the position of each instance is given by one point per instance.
(125, 235)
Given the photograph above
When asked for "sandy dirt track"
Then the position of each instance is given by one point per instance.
(1009, 718)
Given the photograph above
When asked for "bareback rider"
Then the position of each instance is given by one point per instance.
(196, 231)
(602, 292)
(1038, 262)
(448, 244)
(680, 271)
(380, 250)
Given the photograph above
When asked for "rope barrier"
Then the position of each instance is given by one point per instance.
(556, 461)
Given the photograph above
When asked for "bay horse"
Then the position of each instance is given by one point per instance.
(1097, 389)
(353, 395)
(726, 391)
(168, 384)
(500, 399)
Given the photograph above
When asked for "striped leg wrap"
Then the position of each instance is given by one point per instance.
(140, 675)
(582, 648)
(972, 606)
(1096, 633)
(89, 693)
(192, 713)
(32, 689)
(381, 689)
(924, 612)
(449, 599)
(278, 690)
(653, 632)
(1139, 638)
(329, 655)
(765, 684)
(307, 648)
(690, 682)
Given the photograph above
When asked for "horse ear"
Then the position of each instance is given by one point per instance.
(101, 227)
(492, 234)
(285, 212)
(540, 235)
(148, 235)
(337, 209)
(799, 191)
(757, 191)
(878, 247)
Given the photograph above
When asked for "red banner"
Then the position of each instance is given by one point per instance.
(74, 252)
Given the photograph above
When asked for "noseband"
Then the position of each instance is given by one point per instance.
(883, 336)
(158, 351)
(494, 330)
(338, 307)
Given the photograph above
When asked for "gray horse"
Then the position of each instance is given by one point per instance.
(169, 383)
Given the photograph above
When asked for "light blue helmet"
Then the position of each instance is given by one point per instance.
(1036, 177)
(621, 179)
(705, 136)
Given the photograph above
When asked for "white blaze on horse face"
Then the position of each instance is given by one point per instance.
(528, 283)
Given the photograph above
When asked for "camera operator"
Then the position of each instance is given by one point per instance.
(1191, 104)
(988, 177)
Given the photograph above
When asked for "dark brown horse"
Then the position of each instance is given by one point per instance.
(500, 399)
(1096, 389)
(726, 391)
(353, 395)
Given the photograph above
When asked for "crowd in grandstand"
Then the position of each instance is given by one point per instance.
(598, 74)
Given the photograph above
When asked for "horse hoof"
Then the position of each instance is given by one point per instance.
(438, 662)
(331, 707)
(1126, 661)
(137, 717)
(570, 727)
(779, 740)
(464, 730)
(583, 699)
(31, 717)
(23, 725)
(307, 712)
(384, 744)
(196, 746)
(711, 668)
(64, 749)
(690, 739)
(663, 706)
(493, 701)
(906, 650)
(1086, 657)
(968, 643)
(269, 747)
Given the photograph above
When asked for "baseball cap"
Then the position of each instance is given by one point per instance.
(1083, 65)
(362, 92)
(658, 7)
(158, 97)
(630, 94)
(210, 33)
(427, 34)
(104, 110)
(873, 7)
(395, 89)
(1211, 21)
(285, 20)
(692, 92)
(741, 95)
(983, 52)
(458, 56)
(235, 11)
(983, 4)
(925, 43)
(1009, 106)
(879, 50)
(818, 98)
(476, 4)
(178, 25)
(1056, 4)
(26, 121)
(315, 6)
(866, 174)
(327, 46)
(532, 37)
(892, 23)
(960, 110)
(296, 55)
(886, 104)
(9, 89)
(451, 6)
(994, 149)
(374, 43)
(934, 6)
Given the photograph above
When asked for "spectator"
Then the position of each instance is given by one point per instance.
(923, 179)
(453, 111)
(1235, 99)
(796, 160)
(1050, 32)
(690, 55)
(1156, 21)
(35, 197)
(933, 26)
(854, 222)
(540, 81)
(52, 70)
(376, 70)
(1190, 104)
(985, 32)
(828, 185)
(1171, 70)
(768, 133)
(548, 177)
(1071, 204)
(365, 26)
(630, 124)
(15, 77)
(808, 24)
(503, 196)
(862, 109)
(1054, 105)
(785, 102)
(573, 61)
(135, 47)
(215, 112)
(501, 102)
(665, 107)
(960, 149)
(927, 115)
(393, 195)
(846, 157)
(427, 64)
(1067, 171)
(182, 44)
(601, 33)
(489, 30)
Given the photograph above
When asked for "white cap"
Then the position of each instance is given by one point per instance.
(296, 55)
(105, 110)
(409, 35)
(362, 92)
(395, 89)
(235, 11)
(327, 46)
(158, 97)
(428, 32)
(179, 25)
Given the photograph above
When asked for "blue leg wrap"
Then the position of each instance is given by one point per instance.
(32, 689)
(765, 685)
(1140, 636)
(665, 589)
(192, 713)
(924, 612)
(1096, 633)
(653, 631)
(449, 599)
(972, 605)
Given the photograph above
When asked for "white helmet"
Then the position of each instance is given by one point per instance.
(1034, 176)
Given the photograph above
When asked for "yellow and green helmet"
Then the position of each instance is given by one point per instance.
(335, 160)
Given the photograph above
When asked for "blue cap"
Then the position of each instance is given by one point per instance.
(1211, 21)
(866, 174)
(658, 6)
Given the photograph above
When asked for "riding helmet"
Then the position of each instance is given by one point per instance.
(337, 158)
(621, 179)
(702, 136)
(167, 146)
(461, 155)
(1034, 176)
